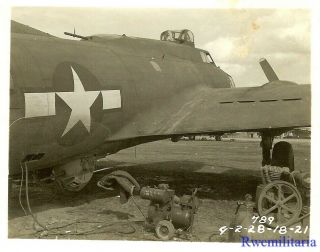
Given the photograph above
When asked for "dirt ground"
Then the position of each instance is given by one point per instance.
(222, 171)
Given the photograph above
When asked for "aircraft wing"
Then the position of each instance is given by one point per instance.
(278, 105)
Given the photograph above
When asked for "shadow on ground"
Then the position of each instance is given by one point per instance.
(225, 183)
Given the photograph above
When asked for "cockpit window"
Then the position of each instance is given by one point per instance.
(206, 58)
(209, 58)
(203, 57)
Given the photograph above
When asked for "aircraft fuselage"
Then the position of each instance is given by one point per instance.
(71, 99)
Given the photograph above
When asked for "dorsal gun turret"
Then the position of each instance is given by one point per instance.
(178, 36)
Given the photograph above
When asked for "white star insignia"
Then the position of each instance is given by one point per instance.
(80, 102)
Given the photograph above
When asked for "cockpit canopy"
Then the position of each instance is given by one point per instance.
(178, 36)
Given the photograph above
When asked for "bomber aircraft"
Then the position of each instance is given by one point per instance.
(73, 102)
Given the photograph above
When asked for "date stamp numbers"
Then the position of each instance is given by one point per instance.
(262, 229)
(260, 225)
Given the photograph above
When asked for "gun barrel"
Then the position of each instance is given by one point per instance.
(75, 35)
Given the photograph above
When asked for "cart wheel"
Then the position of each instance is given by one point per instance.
(165, 230)
(282, 201)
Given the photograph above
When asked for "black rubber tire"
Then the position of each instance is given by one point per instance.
(282, 155)
(169, 230)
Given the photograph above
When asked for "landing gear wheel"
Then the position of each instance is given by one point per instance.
(165, 230)
(282, 155)
(282, 201)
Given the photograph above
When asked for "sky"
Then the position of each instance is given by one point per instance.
(236, 38)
